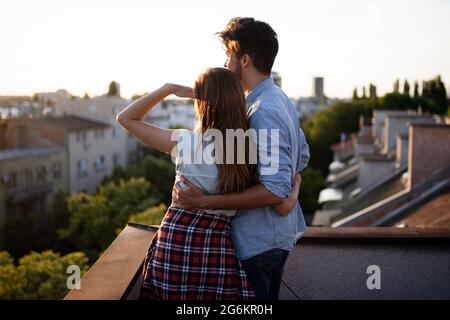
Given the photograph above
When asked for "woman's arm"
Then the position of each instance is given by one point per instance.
(131, 117)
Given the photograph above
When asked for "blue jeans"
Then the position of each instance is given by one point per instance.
(265, 271)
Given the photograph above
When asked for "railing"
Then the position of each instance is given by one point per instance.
(18, 195)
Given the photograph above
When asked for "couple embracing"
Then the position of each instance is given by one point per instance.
(231, 224)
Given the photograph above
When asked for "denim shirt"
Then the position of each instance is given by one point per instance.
(255, 231)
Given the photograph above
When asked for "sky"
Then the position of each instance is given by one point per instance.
(83, 45)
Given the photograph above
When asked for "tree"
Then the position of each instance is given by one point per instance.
(38, 275)
(113, 89)
(151, 216)
(355, 94)
(406, 88)
(90, 229)
(41, 230)
(94, 221)
(126, 198)
(397, 86)
(364, 96)
(155, 167)
(137, 96)
(435, 96)
(372, 91)
(325, 127)
(416, 89)
(312, 183)
(396, 101)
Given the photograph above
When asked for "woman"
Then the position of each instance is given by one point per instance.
(191, 256)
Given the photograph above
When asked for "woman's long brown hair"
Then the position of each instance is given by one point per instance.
(220, 104)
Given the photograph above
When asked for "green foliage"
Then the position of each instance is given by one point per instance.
(151, 216)
(155, 167)
(434, 96)
(95, 220)
(40, 229)
(126, 198)
(355, 94)
(113, 89)
(90, 229)
(324, 129)
(372, 91)
(397, 101)
(406, 88)
(312, 182)
(38, 275)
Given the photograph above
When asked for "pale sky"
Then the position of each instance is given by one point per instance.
(81, 45)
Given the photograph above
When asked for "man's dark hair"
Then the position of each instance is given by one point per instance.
(252, 37)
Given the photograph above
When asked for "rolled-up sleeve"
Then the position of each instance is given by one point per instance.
(304, 152)
(274, 151)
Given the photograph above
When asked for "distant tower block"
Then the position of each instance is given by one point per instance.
(276, 78)
(318, 87)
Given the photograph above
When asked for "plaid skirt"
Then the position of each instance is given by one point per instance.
(192, 257)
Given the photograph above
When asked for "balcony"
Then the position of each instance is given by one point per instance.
(328, 263)
(20, 195)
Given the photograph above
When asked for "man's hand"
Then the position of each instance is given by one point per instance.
(189, 198)
(284, 208)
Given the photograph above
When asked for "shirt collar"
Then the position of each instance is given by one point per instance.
(260, 88)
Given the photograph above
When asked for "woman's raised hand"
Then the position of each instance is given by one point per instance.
(181, 91)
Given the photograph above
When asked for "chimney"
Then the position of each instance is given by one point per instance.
(374, 169)
(429, 151)
(379, 117)
(398, 124)
(402, 150)
(364, 143)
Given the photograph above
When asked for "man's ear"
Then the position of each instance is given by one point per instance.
(245, 61)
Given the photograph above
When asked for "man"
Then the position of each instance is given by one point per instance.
(261, 237)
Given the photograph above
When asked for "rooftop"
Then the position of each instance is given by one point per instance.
(72, 123)
(433, 214)
(327, 263)
(10, 154)
(353, 201)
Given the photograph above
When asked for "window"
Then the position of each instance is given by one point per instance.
(99, 164)
(93, 108)
(41, 174)
(10, 180)
(132, 157)
(115, 110)
(25, 178)
(99, 134)
(56, 170)
(116, 160)
(82, 169)
(115, 132)
(81, 136)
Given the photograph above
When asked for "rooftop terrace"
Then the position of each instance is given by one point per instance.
(328, 263)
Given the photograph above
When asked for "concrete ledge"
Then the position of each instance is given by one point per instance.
(328, 263)
(113, 275)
